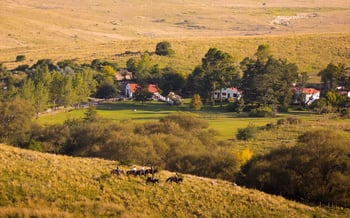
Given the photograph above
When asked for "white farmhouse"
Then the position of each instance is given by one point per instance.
(228, 93)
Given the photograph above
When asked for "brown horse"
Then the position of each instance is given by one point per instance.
(174, 179)
(151, 180)
(117, 172)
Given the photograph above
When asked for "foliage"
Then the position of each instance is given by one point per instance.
(316, 170)
(244, 156)
(164, 49)
(106, 90)
(345, 113)
(91, 114)
(262, 112)
(20, 58)
(219, 70)
(333, 76)
(267, 81)
(187, 121)
(15, 120)
(236, 106)
(196, 102)
(246, 133)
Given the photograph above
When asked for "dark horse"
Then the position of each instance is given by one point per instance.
(152, 180)
(151, 171)
(117, 172)
(136, 173)
(174, 179)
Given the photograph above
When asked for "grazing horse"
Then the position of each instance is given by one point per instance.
(136, 173)
(151, 180)
(117, 172)
(174, 179)
(150, 171)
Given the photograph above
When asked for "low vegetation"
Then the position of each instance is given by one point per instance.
(46, 185)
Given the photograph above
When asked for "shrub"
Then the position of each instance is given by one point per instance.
(35, 146)
(236, 106)
(164, 49)
(316, 169)
(246, 133)
(262, 112)
(288, 120)
(20, 58)
(196, 102)
(345, 113)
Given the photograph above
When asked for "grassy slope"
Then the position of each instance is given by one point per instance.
(33, 183)
(64, 29)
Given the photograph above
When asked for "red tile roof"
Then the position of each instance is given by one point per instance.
(310, 91)
(151, 87)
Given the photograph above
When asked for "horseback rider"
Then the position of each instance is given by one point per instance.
(143, 170)
(177, 177)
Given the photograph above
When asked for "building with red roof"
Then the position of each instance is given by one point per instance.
(131, 88)
(309, 95)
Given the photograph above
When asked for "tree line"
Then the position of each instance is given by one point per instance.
(266, 82)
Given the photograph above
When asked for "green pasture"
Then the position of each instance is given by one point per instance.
(225, 123)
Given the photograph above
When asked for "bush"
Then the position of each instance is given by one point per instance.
(345, 113)
(288, 120)
(262, 112)
(236, 106)
(246, 133)
(316, 169)
(20, 58)
(196, 102)
(164, 49)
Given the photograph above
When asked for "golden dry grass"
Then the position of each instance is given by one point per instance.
(45, 185)
(84, 30)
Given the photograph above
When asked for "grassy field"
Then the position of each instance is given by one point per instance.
(34, 184)
(316, 32)
(224, 123)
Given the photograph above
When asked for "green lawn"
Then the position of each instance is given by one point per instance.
(225, 123)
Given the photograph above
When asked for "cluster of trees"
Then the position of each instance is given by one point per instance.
(316, 169)
(45, 84)
(266, 82)
(333, 79)
(179, 142)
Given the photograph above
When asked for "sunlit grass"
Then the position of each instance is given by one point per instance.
(45, 185)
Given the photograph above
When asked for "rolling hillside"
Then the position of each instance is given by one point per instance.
(309, 33)
(46, 185)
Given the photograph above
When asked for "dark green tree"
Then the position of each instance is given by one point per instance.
(15, 121)
(195, 84)
(316, 170)
(164, 49)
(20, 58)
(268, 82)
(219, 69)
(106, 90)
(171, 81)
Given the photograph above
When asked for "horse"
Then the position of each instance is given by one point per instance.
(151, 171)
(117, 172)
(151, 180)
(136, 173)
(174, 179)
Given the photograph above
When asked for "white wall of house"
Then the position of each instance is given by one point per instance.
(310, 98)
(128, 91)
(227, 93)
